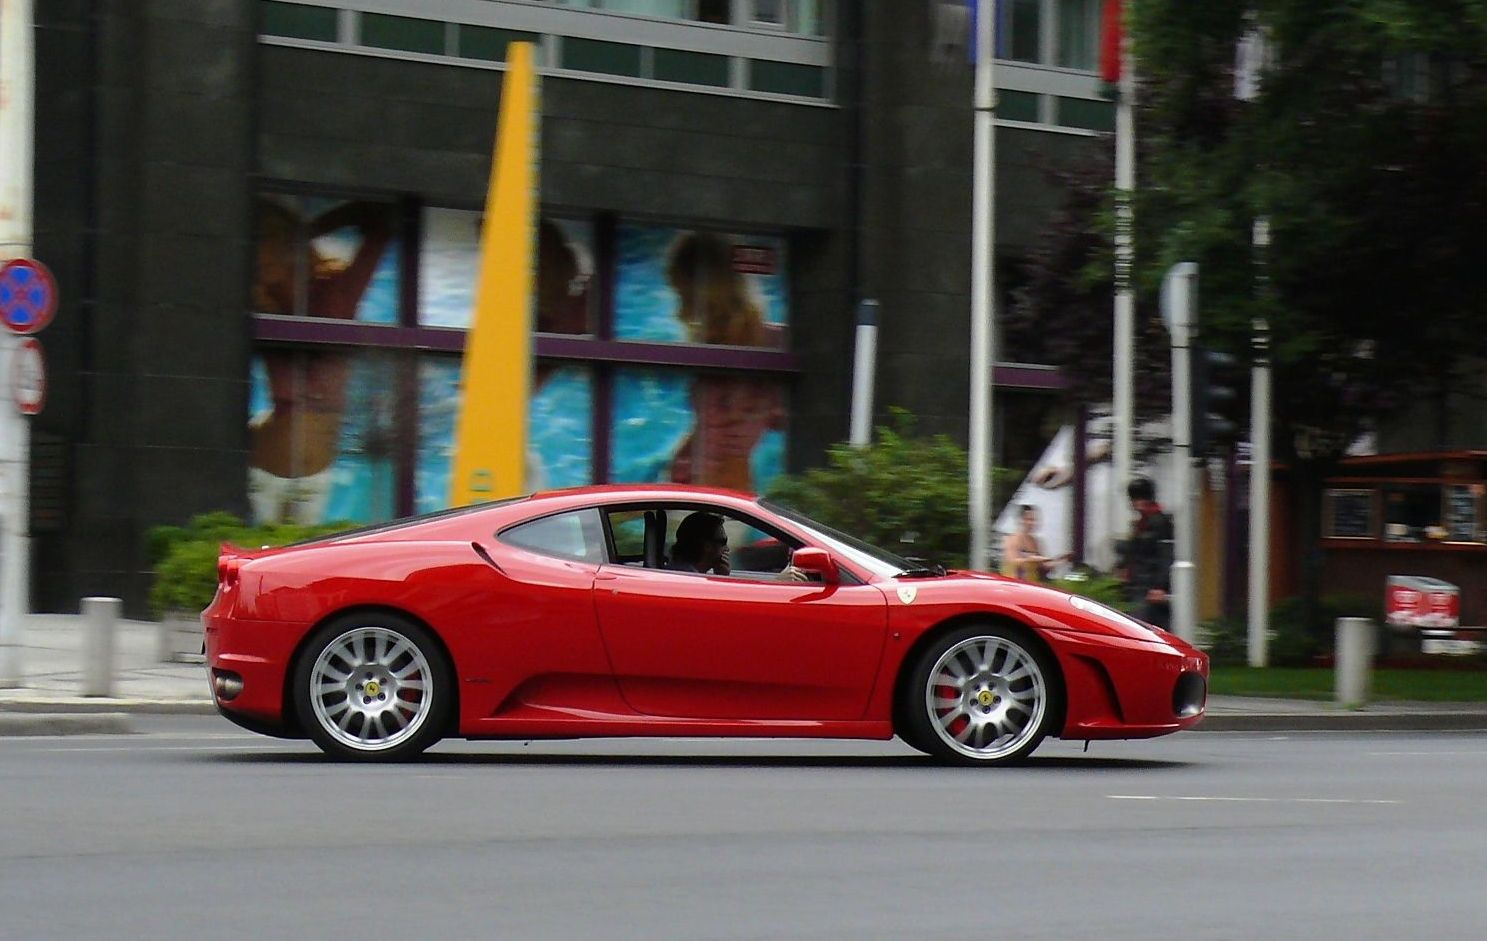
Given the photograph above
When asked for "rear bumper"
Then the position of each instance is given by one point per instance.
(259, 654)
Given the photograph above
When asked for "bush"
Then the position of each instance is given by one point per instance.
(1293, 640)
(185, 557)
(905, 493)
(1106, 589)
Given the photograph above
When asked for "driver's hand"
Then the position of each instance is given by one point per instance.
(724, 566)
(792, 574)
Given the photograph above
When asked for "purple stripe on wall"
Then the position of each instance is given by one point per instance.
(1027, 376)
(352, 333)
(547, 346)
(664, 354)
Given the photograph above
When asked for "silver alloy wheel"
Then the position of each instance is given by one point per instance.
(986, 697)
(370, 688)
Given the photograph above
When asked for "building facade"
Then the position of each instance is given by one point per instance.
(263, 215)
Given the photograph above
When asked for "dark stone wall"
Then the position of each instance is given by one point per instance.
(425, 129)
(142, 207)
(916, 252)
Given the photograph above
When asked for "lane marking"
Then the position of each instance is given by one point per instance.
(1420, 754)
(1252, 800)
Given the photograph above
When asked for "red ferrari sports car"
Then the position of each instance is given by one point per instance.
(665, 610)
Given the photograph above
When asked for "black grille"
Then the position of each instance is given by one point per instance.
(1189, 695)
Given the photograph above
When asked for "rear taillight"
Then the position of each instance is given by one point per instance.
(227, 571)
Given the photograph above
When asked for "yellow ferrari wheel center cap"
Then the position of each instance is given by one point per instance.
(373, 687)
(986, 698)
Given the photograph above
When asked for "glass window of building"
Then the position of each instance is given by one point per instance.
(325, 257)
(666, 9)
(1024, 31)
(660, 354)
(1079, 34)
(694, 286)
(767, 12)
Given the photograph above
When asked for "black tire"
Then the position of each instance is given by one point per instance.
(373, 687)
(982, 694)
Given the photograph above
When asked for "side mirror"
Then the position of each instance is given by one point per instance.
(816, 562)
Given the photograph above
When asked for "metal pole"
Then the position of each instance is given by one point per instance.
(1354, 645)
(1125, 298)
(983, 305)
(1081, 487)
(17, 128)
(1179, 293)
(864, 368)
(100, 624)
(1259, 470)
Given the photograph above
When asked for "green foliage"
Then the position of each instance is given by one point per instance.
(185, 557)
(1357, 151)
(905, 493)
(1106, 589)
(1294, 640)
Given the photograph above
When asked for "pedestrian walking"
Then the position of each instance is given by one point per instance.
(1146, 557)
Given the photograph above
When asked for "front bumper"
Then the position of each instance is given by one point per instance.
(1123, 688)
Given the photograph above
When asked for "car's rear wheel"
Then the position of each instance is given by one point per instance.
(981, 695)
(373, 687)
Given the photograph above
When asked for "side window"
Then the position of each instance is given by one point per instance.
(575, 536)
(628, 529)
(751, 552)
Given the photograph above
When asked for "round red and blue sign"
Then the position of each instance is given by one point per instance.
(28, 295)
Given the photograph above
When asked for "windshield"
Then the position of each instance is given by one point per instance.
(880, 562)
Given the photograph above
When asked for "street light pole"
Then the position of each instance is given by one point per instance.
(1125, 296)
(983, 303)
(1179, 302)
(1259, 467)
(17, 141)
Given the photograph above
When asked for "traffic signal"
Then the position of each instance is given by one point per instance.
(1215, 404)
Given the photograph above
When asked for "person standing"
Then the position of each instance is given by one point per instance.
(1022, 554)
(1146, 558)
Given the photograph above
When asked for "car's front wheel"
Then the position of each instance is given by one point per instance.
(373, 687)
(981, 695)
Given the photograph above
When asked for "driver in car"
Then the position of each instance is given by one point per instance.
(702, 546)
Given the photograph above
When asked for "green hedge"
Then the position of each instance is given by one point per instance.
(184, 558)
(1106, 589)
(903, 492)
(1294, 639)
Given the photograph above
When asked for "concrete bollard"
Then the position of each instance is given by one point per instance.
(100, 625)
(1354, 670)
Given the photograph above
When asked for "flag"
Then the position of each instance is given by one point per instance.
(1110, 53)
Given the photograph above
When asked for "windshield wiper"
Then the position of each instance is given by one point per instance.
(922, 568)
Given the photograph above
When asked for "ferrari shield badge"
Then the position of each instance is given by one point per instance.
(907, 594)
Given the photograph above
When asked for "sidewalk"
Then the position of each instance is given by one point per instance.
(50, 698)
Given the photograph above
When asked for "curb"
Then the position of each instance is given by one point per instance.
(78, 705)
(1346, 722)
(16, 724)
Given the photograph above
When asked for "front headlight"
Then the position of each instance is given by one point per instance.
(1110, 614)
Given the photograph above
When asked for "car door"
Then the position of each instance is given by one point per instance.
(723, 647)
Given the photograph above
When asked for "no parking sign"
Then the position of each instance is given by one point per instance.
(28, 295)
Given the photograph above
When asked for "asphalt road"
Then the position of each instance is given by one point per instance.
(195, 830)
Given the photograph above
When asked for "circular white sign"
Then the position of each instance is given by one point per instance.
(28, 376)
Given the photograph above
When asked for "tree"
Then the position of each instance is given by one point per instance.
(1363, 151)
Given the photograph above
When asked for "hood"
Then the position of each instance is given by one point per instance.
(1040, 605)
